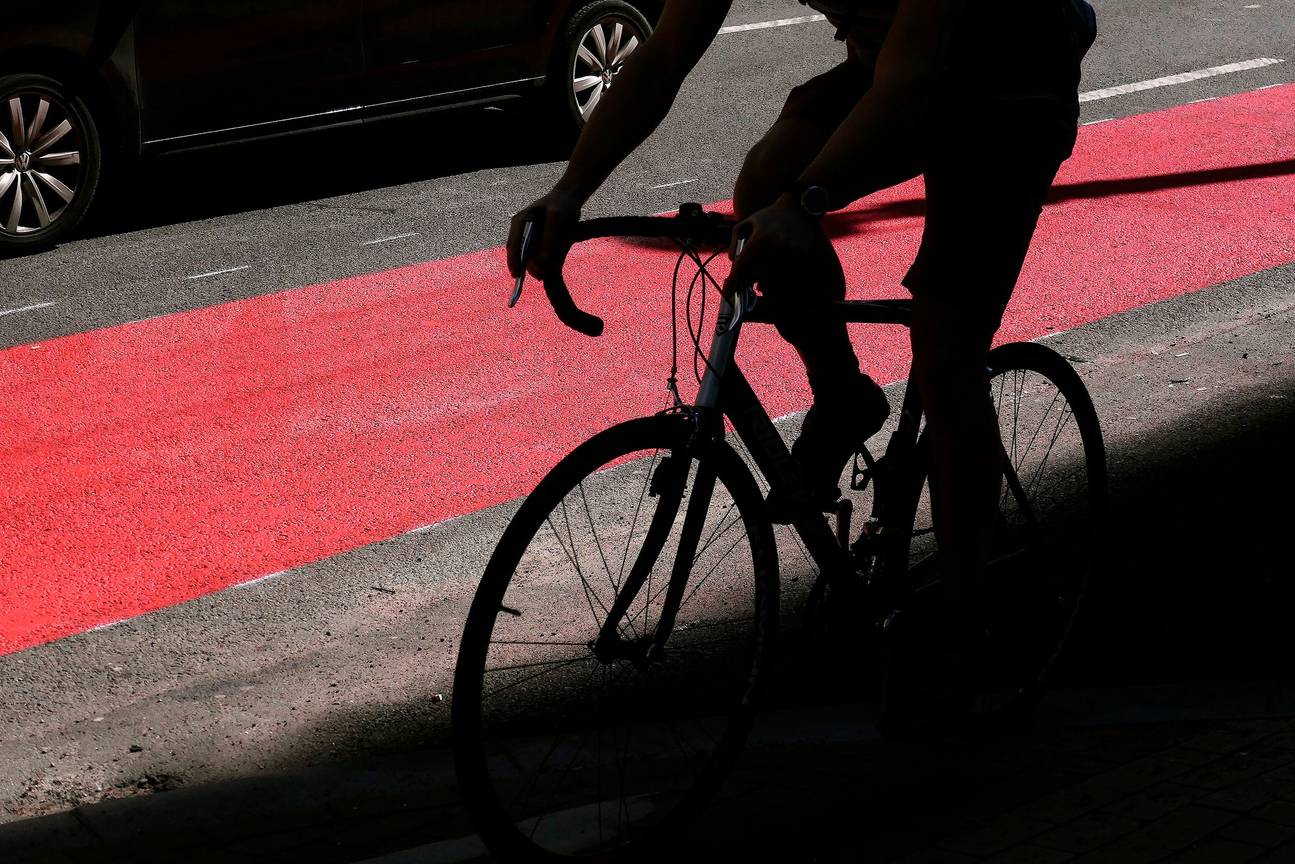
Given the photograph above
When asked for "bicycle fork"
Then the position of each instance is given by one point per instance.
(669, 485)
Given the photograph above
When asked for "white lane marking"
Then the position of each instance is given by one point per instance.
(266, 578)
(765, 25)
(105, 626)
(1095, 122)
(219, 272)
(30, 308)
(1253, 6)
(1049, 335)
(389, 239)
(1181, 78)
(675, 183)
(423, 529)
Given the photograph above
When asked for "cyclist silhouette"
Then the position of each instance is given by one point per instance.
(981, 99)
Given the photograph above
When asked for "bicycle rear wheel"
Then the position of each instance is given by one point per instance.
(1051, 510)
(1046, 540)
(574, 740)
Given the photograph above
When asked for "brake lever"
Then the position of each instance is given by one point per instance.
(527, 230)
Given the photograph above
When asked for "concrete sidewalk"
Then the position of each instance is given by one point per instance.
(816, 784)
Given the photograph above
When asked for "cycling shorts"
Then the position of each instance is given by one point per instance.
(988, 165)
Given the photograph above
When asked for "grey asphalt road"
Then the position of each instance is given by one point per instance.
(298, 211)
(332, 662)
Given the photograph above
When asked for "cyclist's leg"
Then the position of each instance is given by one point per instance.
(848, 406)
(983, 202)
(811, 114)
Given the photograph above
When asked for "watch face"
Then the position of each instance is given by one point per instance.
(814, 200)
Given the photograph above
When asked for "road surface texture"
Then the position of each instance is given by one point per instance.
(245, 510)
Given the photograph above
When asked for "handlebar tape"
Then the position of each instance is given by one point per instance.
(692, 226)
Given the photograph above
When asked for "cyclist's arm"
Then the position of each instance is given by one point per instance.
(645, 89)
(872, 148)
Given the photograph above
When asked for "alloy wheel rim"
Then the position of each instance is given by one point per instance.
(599, 59)
(41, 162)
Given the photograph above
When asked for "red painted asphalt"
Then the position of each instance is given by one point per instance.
(151, 463)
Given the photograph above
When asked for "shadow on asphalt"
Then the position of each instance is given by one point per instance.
(847, 223)
(844, 224)
(203, 184)
(1195, 590)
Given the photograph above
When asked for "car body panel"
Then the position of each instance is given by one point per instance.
(425, 50)
(209, 67)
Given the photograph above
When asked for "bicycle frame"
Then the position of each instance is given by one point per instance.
(725, 392)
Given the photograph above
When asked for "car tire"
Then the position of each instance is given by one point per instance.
(49, 178)
(608, 31)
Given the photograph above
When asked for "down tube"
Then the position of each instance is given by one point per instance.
(771, 455)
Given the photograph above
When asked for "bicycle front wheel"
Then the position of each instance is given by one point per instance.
(576, 738)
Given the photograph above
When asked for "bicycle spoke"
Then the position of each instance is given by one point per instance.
(716, 534)
(709, 573)
(1056, 435)
(590, 596)
(497, 691)
(597, 542)
(666, 587)
(1042, 420)
(638, 507)
(525, 795)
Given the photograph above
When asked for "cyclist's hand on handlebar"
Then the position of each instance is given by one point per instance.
(781, 240)
(555, 215)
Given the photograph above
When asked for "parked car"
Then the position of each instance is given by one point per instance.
(83, 80)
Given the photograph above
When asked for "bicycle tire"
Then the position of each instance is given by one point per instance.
(499, 736)
(1039, 573)
(1045, 546)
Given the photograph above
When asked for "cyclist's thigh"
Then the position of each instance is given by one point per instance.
(984, 197)
(810, 115)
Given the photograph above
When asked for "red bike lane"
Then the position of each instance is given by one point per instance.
(150, 463)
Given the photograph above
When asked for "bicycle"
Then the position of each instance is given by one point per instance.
(594, 715)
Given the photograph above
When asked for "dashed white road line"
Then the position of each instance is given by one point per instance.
(765, 25)
(219, 272)
(1091, 95)
(389, 239)
(1181, 78)
(33, 307)
(675, 183)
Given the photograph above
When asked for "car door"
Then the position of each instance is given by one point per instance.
(415, 49)
(246, 67)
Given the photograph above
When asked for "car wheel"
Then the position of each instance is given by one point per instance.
(600, 36)
(50, 158)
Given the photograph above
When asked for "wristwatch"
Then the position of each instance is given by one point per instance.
(812, 199)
